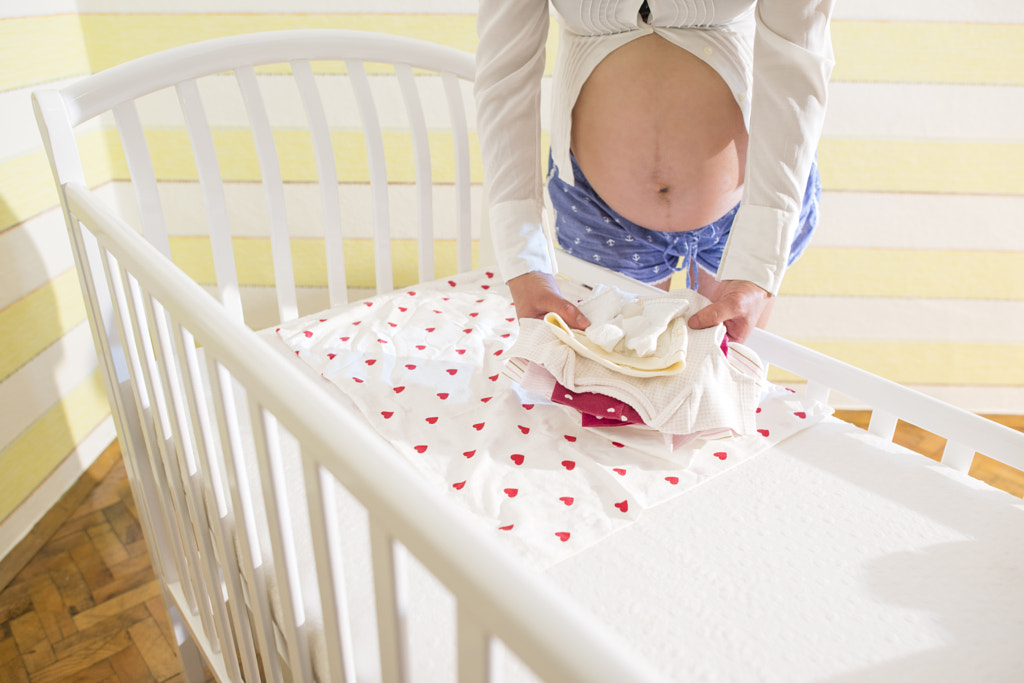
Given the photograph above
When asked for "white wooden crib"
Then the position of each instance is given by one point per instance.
(220, 426)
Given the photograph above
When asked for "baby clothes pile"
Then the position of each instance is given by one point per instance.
(639, 374)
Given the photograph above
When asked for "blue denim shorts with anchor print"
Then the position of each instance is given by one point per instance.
(586, 227)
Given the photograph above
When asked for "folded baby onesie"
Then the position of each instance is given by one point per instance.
(709, 392)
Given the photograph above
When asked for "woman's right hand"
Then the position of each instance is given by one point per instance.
(536, 294)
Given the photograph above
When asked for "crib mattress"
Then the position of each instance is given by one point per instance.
(831, 556)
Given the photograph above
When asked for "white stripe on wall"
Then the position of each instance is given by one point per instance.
(976, 321)
(916, 221)
(32, 254)
(979, 11)
(28, 393)
(915, 111)
(278, 7)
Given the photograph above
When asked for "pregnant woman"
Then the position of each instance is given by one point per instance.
(683, 135)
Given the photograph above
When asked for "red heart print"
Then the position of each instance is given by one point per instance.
(469, 454)
(357, 380)
(468, 331)
(510, 320)
(570, 439)
(478, 426)
(473, 315)
(792, 391)
(619, 471)
(563, 536)
(524, 430)
(506, 528)
(489, 275)
(569, 465)
(461, 352)
(410, 293)
(382, 341)
(308, 334)
(528, 406)
(672, 480)
(493, 378)
(458, 486)
(403, 309)
(762, 432)
(421, 448)
(344, 338)
(511, 493)
(757, 411)
(486, 399)
(358, 322)
(420, 347)
(370, 361)
(721, 455)
(506, 335)
(443, 395)
(332, 356)
(387, 414)
(431, 420)
(499, 352)
(367, 303)
(399, 390)
(623, 506)
(485, 286)
(617, 444)
(431, 329)
(410, 366)
(296, 352)
(391, 324)
(451, 371)
(517, 458)
(451, 283)
(568, 500)
(801, 414)
(437, 311)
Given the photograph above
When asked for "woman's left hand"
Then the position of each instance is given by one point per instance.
(737, 303)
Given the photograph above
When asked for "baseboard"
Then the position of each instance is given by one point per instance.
(32, 523)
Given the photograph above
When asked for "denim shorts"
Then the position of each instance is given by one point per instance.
(586, 227)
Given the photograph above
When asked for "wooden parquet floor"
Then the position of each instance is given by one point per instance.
(87, 608)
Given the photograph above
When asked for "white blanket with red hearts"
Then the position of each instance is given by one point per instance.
(424, 366)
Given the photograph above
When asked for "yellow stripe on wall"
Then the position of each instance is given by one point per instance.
(39, 49)
(27, 187)
(928, 52)
(39, 319)
(907, 273)
(940, 167)
(927, 363)
(253, 258)
(41, 448)
(236, 153)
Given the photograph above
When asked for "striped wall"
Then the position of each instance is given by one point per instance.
(917, 272)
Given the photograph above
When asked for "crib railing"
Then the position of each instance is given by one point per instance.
(187, 462)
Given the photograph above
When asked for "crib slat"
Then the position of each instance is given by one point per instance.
(474, 648)
(817, 391)
(251, 560)
(882, 424)
(200, 544)
(212, 187)
(273, 185)
(460, 134)
(378, 174)
(389, 588)
(424, 178)
(154, 423)
(140, 168)
(323, 151)
(958, 456)
(274, 488)
(320, 501)
(217, 508)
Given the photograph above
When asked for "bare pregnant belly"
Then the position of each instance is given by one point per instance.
(660, 137)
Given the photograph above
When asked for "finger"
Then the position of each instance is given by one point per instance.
(710, 315)
(571, 315)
